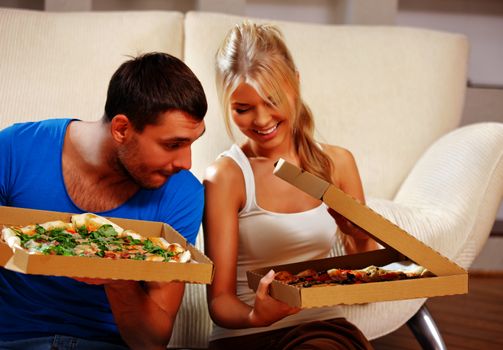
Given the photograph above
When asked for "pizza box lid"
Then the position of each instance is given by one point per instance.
(381, 229)
(199, 270)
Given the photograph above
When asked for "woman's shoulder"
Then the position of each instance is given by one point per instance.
(346, 174)
(339, 155)
(224, 181)
(223, 169)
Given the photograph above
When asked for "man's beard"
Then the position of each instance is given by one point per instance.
(134, 171)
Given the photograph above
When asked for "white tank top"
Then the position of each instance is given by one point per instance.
(268, 238)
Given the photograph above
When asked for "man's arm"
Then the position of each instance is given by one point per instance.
(145, 314)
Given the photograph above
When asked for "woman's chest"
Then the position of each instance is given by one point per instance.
(276, 195)
(281, 238)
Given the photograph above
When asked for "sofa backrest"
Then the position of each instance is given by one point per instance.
(57, 65)
(385, 93)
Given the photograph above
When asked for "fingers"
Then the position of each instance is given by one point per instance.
(263, 292)
(95, 281)
(266, 309)
(294, 310)
(341, 220)
(338, 217)
(265, 281)
(102, 281)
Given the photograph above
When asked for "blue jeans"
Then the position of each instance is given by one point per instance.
(58, 342)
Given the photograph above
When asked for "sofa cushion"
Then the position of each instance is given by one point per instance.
(59, 64)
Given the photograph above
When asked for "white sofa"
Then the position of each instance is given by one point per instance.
(392, 95)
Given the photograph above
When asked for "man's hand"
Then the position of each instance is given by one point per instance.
(144, 314)
(95, 281)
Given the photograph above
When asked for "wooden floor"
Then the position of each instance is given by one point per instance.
(471, 321)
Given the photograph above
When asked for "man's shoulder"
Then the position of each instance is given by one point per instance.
(182, 187)
(36, 127)
(184, 179)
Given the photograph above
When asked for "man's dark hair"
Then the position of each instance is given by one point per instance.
(148, 85)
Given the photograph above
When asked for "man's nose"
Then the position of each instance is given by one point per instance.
(183, 159)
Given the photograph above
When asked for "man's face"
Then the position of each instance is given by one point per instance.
(151, 156)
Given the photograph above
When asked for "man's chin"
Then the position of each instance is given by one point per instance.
(152, 184)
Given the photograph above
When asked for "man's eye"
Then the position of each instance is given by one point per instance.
(173, 146)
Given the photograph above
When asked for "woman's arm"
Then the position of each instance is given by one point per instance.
(225, 195)
(347, 177)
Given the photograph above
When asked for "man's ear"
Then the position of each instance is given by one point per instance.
(120, 128)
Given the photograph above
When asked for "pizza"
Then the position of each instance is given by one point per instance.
(91, 235)
(310, 277)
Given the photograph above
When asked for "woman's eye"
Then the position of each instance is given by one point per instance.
(242, 110)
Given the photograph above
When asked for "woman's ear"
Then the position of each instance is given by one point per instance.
(120, 128)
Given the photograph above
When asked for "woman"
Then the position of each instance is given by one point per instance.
(254, 219)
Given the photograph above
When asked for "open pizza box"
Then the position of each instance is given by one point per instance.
(198, 270)
(400, 246)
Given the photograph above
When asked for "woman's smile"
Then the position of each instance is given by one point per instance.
(267, 133)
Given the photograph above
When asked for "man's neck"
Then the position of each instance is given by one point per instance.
(92, 177)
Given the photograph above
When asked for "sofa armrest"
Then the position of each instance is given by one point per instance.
(451, 197)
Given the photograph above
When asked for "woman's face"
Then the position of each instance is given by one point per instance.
(262, 122)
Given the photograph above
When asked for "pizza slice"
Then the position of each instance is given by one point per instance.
(179, 254)
(376, 274)
(92, 222)
(91, 235)
(372, 273)
(285, 277)
(52, 236)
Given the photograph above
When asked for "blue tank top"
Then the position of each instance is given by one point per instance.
(31, 177)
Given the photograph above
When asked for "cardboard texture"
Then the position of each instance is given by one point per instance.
(199, 270)
(399, 246)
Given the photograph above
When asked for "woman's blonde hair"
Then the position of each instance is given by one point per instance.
(256, 54)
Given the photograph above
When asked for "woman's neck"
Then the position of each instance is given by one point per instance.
(286, 151)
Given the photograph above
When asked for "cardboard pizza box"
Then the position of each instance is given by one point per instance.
(400, 246)
(199, 270)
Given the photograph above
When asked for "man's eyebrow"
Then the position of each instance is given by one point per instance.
(183, 139)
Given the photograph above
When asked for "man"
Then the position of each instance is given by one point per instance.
(133, 163)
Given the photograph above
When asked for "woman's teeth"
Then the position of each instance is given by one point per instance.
(268, 131)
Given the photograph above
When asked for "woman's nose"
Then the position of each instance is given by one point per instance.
(262, 117)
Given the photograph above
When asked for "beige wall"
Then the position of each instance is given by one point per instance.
(483, 104)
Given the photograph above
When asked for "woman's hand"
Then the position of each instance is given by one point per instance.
(268, 310)
(348, 228)
(360, 240)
